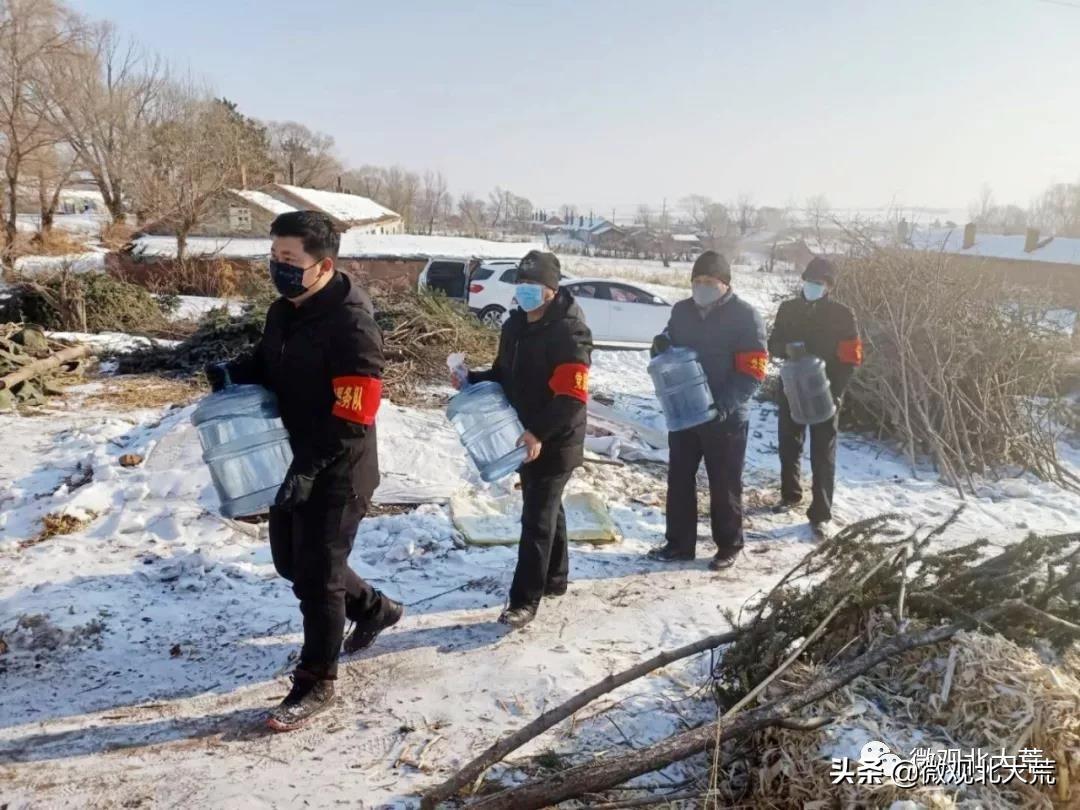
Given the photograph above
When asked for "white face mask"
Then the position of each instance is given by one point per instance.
(705, 295)
(813, 290)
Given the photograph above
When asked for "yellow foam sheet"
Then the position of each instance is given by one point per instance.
(490, 521)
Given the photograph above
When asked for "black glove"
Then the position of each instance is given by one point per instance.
(295, 491)
(660, 344)
(217, 374)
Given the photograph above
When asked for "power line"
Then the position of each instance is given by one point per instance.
(1065, 3)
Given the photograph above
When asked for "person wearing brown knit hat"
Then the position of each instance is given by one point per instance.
(826, 329)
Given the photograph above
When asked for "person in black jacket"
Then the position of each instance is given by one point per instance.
(543, 366)
(729, 337)
(828, 330)
(321, 354)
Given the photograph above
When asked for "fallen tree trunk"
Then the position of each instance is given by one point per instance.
(605, 773)
(498, 751)
(39, 367)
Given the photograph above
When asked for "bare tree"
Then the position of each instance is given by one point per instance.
(982, 209)
(472, 211)
(817, 211)
(51, 169)
(303, 157)
(368, 181)
(105, 99)
(643, 217)
(709, 218)
(744, 212)
(32, 34)
(192, 158)
(1057, 211)
(434, 200)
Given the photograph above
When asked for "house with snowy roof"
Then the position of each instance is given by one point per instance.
(1028, 259)
(247, 213)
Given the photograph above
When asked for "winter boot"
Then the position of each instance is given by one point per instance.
(668, 553)
(518, 617)
(365, 633)
(725, 558)
(307, 698)
(819, 529)
(555, 589)
(784, 507)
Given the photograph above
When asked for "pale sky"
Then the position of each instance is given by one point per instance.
(617, 103)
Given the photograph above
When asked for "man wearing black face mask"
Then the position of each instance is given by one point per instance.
(321, 354)
(729, 338)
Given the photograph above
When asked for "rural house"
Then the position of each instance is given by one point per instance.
(1049, 263)
(350, 211)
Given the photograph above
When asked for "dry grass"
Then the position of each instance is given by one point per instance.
(1001, 696)
(116, 235)
(55, 243)
(55, 524)
(145, 391)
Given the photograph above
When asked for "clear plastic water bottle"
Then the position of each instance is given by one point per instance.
(806, 386)
(682, 388)
(245, 446)
(489, 429)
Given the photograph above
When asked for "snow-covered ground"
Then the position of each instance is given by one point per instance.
(145, 646)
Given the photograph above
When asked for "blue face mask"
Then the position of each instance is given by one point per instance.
(529, 296)
(288, 278)
(813, 290)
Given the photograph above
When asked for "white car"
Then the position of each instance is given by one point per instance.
(486, 286)
(619, 314)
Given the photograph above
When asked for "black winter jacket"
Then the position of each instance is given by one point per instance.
(829, 331)
(324, 361)
(730, 341)
(544, 369)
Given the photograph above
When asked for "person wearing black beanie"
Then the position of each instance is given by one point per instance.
(729, 337)
(826, 329)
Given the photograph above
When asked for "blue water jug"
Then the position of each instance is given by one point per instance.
(682, 388)
(245, 445)
(489, 429)
(806, 386)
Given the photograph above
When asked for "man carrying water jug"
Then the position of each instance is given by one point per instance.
(543, 366)
(729, 338)
(321, 354)
(827, 329)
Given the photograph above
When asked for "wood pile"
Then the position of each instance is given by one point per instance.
(34, 367)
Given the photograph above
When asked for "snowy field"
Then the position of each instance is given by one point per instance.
(145, 646)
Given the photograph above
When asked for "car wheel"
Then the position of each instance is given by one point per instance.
(492, 316)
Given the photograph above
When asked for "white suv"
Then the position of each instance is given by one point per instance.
(487, 286)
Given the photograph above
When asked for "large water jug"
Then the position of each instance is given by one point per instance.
(682, 388)
(806, 386)
(245, 445)
(489, 429)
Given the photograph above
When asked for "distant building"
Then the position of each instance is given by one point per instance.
(1029, 259)
(248, 213)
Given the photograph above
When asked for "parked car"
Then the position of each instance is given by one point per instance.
(620, 314)
(487, 286)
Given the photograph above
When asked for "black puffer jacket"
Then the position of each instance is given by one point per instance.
(324, 361)
(829, 331)
(544, 369)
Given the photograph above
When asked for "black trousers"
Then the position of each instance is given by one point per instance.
(724, 449)
(311, 547)
(543, 553)
(822, 461)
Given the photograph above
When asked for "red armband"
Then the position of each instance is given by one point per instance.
(752, 363)
(571, 380)
(357, 398)
(850, 352)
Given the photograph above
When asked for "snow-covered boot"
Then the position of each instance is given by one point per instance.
(307, 698)
(518, 617)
